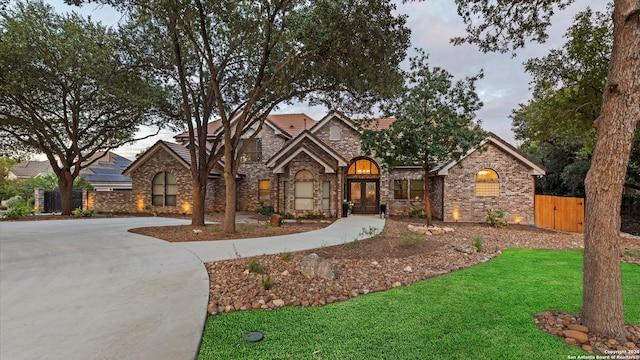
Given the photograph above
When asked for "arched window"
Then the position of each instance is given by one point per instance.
(487, 183)
(164, 189)
(363, 167)
(304, 190)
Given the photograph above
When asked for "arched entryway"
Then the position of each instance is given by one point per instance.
(363, 186)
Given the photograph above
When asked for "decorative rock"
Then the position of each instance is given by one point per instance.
(587, 348)
(246, 272)
(396, 284)
(278, 303)
(197, 231)
(570, 341)
(436, 230)
(313, 265)
(580, 328)
(211, 308)
(285, 273)
(448, 230)
(580, 337)
(408, 269)
(465, 249)
(275, 219)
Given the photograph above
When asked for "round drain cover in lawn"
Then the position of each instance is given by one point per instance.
(253, 336)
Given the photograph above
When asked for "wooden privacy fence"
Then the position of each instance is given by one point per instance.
(560, 213)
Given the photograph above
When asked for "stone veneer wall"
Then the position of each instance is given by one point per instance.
(106, 201)
(142, 179)
(516, 189)
(287, 191)
(254, 172)
(401, 206)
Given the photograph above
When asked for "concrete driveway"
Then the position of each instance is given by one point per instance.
(88, 289)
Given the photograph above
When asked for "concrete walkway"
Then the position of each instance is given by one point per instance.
(341, 231)
(88, 289)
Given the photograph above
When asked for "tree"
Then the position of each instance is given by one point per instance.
(68, 90)
(505, 28)
(556, 125)
(434, 122)
(237, 61)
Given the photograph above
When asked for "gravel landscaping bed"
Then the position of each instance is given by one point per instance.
(375, 264)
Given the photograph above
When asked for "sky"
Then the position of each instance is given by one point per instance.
(432, 23)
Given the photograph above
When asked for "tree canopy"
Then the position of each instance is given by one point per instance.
(435, 121)
(237, 61)
(68, 90)
(557, 124)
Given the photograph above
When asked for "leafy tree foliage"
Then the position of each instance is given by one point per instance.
(508, 27)
(435, 121)
(237, 61)
(68, 90)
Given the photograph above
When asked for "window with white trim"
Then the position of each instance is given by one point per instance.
(303, 191)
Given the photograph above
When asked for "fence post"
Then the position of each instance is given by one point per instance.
(38, 199)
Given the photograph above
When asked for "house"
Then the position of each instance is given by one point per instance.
(29, 169)
(301, 166)
(104, 174)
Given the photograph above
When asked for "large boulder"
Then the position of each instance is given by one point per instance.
(315, 266)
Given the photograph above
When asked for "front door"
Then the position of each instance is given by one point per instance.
(364, 196)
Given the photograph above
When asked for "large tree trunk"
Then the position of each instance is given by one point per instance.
(602, 310)
(65, 184)
(199, 197)
(230, 202)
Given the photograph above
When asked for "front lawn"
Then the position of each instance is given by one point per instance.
(484, 312)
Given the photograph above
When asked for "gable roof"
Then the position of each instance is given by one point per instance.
(286, 125)
(303, 144)
(30, 169)
(290, 124)
(177, 151)
(373, 124)
(107, 169)
(536, 168)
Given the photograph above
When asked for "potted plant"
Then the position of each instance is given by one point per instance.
(347, 206)
(383, 208)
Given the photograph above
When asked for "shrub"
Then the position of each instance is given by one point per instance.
(255, 267)
(495, 218)
(265, 210)
(19, 209)
(266, 282)
(285, 256)
(409, 238)
(82, 213)
(478, 242)
(416, 212)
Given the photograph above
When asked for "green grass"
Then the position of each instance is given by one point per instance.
(484, 312)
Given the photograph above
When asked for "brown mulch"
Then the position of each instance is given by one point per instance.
(255, 227)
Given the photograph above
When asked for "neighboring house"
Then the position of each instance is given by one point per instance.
(29, 169)
(105, 174)
(300, 166)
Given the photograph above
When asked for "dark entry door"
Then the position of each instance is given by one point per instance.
(364, 196)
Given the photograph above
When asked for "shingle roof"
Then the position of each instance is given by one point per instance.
(30, 169)
(292, 124)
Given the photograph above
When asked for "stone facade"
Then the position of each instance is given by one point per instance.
(327, 150)
(516, 184)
